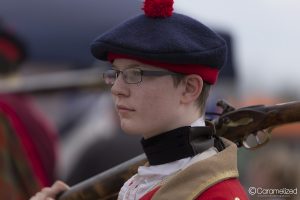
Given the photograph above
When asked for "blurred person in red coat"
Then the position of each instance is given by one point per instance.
(27, 140)
(163, 66)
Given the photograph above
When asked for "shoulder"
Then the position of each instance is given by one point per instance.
(225, 190)
(230, 189)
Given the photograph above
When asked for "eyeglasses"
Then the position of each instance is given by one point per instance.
(132, 75)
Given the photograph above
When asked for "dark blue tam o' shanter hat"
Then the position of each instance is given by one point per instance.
(164, 39)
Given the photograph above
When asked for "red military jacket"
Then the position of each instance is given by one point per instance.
(229, 189)
(214, 178)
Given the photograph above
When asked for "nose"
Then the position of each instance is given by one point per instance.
(120, 88)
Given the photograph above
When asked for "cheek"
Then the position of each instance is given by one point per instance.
(158, 103)
(155, 108)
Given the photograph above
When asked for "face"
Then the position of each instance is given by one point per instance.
(149, 107)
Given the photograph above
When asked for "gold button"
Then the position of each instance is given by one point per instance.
(236, 198)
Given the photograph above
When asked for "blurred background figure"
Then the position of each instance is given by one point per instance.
(275, 166)
(27, 140)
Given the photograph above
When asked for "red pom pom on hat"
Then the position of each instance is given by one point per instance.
(158, 8)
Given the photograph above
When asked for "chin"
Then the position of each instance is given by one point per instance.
(130, 130)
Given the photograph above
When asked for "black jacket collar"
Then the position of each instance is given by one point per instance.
(177, 144)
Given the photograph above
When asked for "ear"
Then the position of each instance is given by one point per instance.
(192, 88)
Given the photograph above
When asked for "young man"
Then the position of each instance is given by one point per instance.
(163, 64)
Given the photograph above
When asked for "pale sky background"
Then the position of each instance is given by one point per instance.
(266, 40)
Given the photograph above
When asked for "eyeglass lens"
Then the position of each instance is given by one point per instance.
(130, 76)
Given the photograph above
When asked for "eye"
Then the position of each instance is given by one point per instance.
(135, 72)
(132, 75)
(110, 76)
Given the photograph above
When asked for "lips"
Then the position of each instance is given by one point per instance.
(124, 108)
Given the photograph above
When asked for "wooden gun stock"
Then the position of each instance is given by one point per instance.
(106, 185)
(233, 124)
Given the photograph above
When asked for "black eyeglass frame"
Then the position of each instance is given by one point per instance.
(142, 72)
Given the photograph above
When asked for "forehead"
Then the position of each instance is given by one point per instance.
(122, 63)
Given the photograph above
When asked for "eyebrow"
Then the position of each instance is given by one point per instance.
(126, 67)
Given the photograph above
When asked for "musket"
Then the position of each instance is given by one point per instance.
(259, 121)
(234, 124)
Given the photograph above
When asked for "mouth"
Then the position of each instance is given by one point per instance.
(122, 108)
